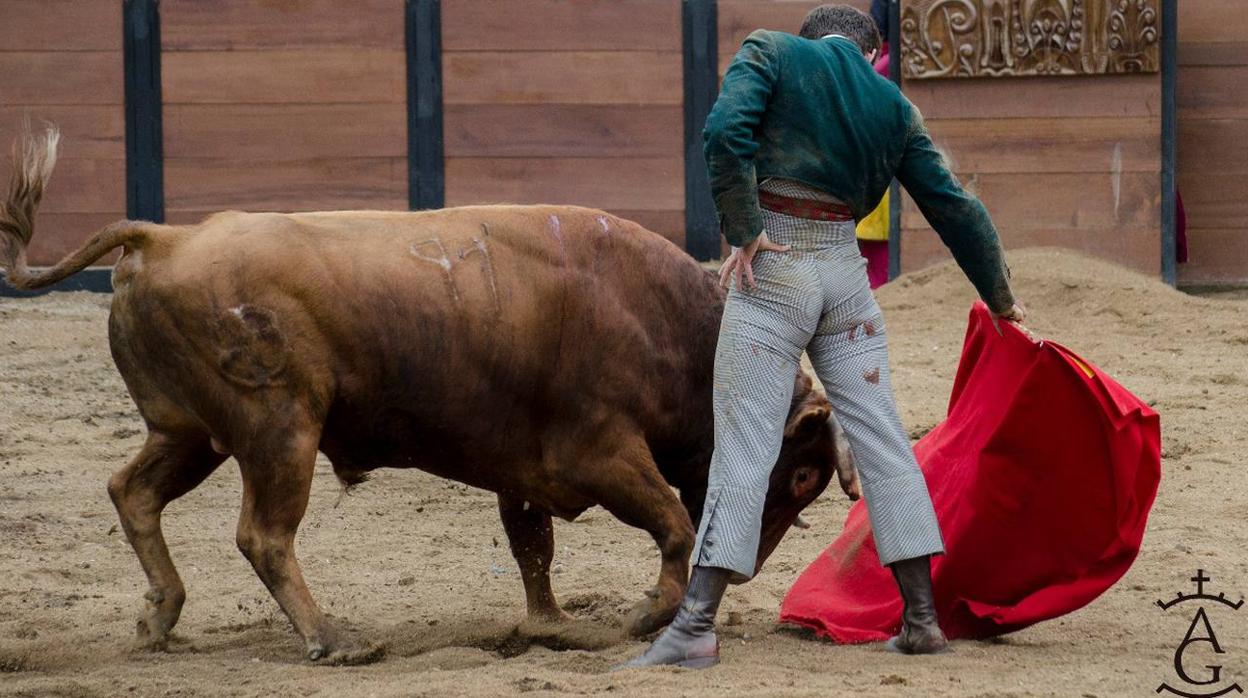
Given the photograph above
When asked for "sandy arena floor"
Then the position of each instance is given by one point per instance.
(421, 564)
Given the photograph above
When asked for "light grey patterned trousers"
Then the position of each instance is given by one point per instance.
(814, 298)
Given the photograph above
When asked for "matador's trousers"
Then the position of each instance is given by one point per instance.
(814, 298)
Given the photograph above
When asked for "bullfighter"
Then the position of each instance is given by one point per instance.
(803, 140)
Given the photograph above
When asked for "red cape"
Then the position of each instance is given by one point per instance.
(1042, 476)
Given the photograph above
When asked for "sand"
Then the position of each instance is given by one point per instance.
(421, 565)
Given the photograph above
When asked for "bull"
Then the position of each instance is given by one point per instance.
(558, 356)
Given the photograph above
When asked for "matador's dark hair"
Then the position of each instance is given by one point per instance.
(845, 20)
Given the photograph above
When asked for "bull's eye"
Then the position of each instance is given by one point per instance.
(804, 481)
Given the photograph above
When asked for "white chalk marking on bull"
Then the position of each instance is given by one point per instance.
(488, 268)
(556, 230)
(442, 261)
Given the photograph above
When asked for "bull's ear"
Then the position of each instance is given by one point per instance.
(807, 419)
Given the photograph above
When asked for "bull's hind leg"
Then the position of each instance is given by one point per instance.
(168, 467)
(628, 484)
(277, 478)
(532, 540)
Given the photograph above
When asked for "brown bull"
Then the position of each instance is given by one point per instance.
(557, 356)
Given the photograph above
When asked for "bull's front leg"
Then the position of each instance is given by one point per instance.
(628, 484)
(531, 536)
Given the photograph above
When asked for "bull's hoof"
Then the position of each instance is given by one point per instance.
(150, 636)
(350, 655)
(156, 620)
(648, 616)
(544, 621)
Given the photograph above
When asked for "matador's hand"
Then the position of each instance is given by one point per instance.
(1016, 314)
(741, 261)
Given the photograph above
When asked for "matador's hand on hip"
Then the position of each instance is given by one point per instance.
(741, 261)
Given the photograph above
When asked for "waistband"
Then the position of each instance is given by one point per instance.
(810, 209)
(807, 234)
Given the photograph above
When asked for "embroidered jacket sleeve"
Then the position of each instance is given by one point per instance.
(730, 137)
(957, 216)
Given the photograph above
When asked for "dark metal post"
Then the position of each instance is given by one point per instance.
(699, 38)
(894, 190)
(1169, 139)
(145, 168)
(426, 174)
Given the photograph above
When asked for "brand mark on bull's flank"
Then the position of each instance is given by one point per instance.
(443, 260)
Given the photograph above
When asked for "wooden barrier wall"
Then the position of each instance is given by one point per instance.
(301, 104)
(61, 62)
(1072, 162)
(737, 18)
(1213, 139)
(283, 106)
(549, 101)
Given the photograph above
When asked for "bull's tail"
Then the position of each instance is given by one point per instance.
(33, 160)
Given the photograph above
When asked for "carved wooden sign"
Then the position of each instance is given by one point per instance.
(990, 38)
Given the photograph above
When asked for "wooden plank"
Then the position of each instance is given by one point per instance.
(737, 18)
(647, 184)
(285, 132)
(562, 130)
(213, 25)
(1062, 201)
(268, 77)
(64, 77)
(1216, 92)
(1211, 145)
(1215, 257)
(87, 131)
(1050, 145)
(566, 77)
(82, 185)
(1111, 96)
(543, 25)
(58, 234)
(1134, 249)
(1213, 53)
(1212, 20)
(60, 25)
(1214, 200)
(308, 185)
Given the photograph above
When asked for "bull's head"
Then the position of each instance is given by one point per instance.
(814, 449)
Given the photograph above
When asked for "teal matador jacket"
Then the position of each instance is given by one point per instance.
(817, 112)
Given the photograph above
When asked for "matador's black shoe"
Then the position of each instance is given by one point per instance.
(690, 640)
(919, 632)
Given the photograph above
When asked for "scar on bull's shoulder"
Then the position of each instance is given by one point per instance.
(253, 351)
